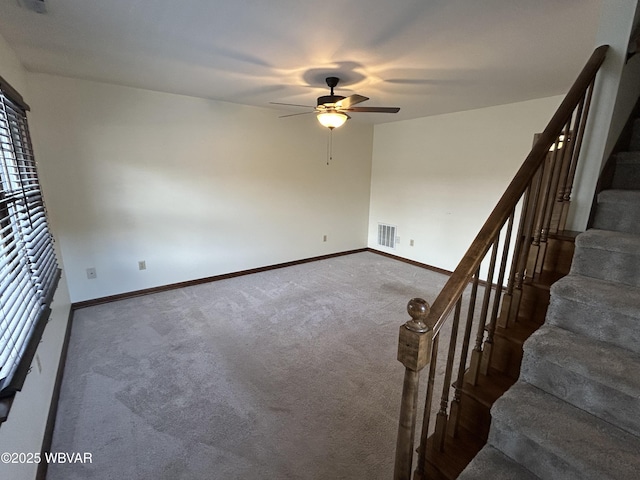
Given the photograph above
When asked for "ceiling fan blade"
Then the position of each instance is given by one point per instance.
(350, 100)
(294, 114)
(373, 109)
(292, 104)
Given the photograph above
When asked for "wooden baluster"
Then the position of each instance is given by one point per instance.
(487, 351)
(576, 142)
(525, 269)
(476, 354)
(462, 365)
(531, 241)
(550, 200)
(414, 347)
(540, 233)
(565, 146)
(441, 418)
(568, 159)
(419, 474)
(574, 158)
(512, 296)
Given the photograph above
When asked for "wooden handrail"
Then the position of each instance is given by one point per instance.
(470, 263)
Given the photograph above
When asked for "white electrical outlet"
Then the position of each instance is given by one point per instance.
(91, 273)
(142, 265)
(324, 238)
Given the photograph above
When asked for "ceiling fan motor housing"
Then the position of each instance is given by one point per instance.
(323, 100)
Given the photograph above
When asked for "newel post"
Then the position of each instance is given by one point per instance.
(414, 348)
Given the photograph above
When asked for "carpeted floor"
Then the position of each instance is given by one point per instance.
(286, 374)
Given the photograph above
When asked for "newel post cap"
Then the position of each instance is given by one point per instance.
(414, 341)
(418, 310)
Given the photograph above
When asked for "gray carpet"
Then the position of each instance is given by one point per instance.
(286, 374)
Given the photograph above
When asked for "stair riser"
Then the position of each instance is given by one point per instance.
(507, 356)
(617, 329)
(432, 472)
(634, 144)
(533, 303)
(618, 217)
(492, 464)
(626, 176)
(607, 403)
(475, 416)
(607, 265)
(558, 256)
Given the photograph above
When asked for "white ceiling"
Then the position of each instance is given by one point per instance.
(425, 56)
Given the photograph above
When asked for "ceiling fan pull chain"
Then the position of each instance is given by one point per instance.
(330, 146)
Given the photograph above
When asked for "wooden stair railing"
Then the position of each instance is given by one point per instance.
(511, 254)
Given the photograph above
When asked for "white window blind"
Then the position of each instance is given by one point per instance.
(28, 267)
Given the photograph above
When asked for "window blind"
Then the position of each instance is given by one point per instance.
(28, 268)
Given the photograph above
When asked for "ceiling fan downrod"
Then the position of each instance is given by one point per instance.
(332, 82)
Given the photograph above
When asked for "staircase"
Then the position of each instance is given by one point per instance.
(574, 412)
(503, 369)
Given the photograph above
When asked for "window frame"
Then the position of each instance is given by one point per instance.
(29, 272)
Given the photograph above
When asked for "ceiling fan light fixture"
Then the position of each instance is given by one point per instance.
(332, 120)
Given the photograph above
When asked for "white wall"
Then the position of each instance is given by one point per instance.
(12, 70)
(438, 178)
(24, 429)
(194, 187)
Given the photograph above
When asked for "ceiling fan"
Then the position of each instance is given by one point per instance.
(331, 109)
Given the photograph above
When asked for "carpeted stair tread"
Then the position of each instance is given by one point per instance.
(554, 439)
(618, 210)
(608, 255)
(595, 376)
(493, 464)
(626, 197)
(627, 172)
(614, 309)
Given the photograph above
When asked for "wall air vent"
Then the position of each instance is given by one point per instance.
(386, 235)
